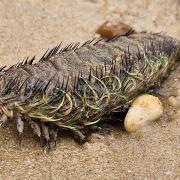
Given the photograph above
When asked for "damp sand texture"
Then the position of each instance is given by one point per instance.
(29, 28)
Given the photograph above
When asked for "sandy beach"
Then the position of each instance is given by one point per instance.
(29, 28)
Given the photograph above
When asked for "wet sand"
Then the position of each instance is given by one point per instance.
(28, 28)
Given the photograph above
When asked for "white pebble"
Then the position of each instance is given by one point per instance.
(174, 99)
(144, 109)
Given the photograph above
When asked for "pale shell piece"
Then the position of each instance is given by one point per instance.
(144, 109)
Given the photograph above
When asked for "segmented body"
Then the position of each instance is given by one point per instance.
(76, 87)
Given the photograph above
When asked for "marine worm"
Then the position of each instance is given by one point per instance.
(76, 87)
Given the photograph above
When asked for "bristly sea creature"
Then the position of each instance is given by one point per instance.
(76, 87)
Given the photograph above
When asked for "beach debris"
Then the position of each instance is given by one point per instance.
(111, 29)
(174, 99)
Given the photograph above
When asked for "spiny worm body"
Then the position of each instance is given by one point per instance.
(76, 87)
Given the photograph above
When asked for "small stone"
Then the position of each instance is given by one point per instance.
(174, 99)
(129, 171)
(144, 109)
